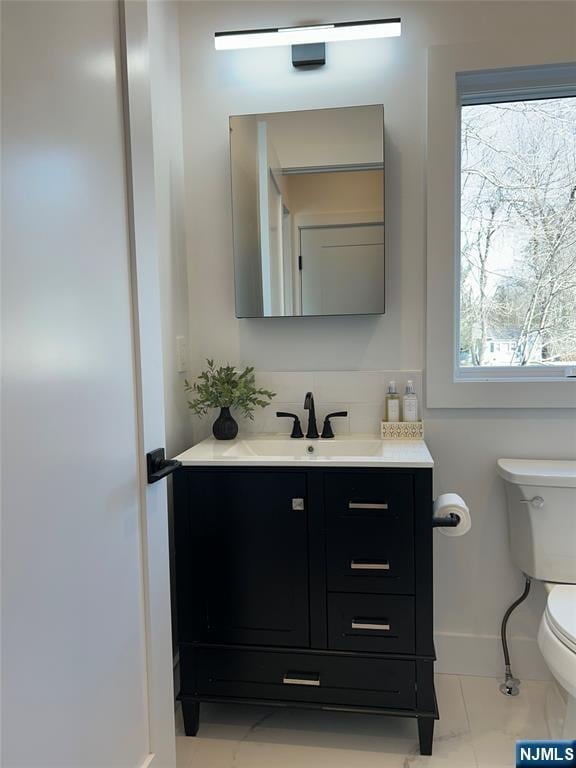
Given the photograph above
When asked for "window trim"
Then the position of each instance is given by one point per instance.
(537, 81)
(448, 384)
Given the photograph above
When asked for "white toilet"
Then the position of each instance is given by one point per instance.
(542, 522)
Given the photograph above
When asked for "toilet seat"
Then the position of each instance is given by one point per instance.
(560, 659)
(560, 614)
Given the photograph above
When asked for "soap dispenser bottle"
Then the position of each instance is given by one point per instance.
(410, 409)
(392, 403)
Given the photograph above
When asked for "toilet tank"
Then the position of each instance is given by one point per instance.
(542, 533)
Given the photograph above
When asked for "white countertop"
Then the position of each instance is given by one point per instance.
(266, 450)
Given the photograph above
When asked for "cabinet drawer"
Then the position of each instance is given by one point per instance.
(378, 623)
(380, 497)
(371, 560)
(301, 677)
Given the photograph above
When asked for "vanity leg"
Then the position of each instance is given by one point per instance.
(426, 734)
(191, 714)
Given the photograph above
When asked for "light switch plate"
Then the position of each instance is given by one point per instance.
(181, 356)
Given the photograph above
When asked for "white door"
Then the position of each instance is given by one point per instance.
(86, 655)
(342, 269)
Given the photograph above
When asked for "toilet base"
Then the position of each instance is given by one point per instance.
(569, 729)
(562, 663)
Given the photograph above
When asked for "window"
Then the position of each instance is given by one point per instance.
(517, 249)
(468, 85)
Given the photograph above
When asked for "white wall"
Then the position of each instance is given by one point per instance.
(326, 137)
(337, 192)
(171, 211)
(474, 578)
(166, 99)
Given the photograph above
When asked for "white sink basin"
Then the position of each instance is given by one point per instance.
(308, 449)
(271, 450)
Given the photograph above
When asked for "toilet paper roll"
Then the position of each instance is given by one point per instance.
(451, 503)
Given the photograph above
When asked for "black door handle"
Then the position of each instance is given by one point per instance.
(158, 466)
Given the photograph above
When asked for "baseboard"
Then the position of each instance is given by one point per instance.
(460, 654)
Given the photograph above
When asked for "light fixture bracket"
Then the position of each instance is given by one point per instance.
(309, 55)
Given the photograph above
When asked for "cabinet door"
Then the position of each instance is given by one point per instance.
(249, 533)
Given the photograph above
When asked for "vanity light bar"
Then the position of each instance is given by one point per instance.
(321, 33)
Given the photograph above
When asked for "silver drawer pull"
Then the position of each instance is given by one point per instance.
(289, 679)
(360, 565)
(382, 626)
(366, 505)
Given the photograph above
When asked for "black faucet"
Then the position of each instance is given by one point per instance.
(312, 431)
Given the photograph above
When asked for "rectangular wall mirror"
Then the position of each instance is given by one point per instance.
(308, 212)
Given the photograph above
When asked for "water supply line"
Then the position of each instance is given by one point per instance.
(511, 684)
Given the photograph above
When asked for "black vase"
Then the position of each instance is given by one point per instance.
(225, 428)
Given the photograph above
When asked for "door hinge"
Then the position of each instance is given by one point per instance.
(300, 263)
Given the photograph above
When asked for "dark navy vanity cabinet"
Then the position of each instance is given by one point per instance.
(306, 587)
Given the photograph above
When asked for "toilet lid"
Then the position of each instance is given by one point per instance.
(542, 472)
(561, 613)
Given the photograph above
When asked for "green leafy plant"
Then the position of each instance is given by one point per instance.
(226, 387)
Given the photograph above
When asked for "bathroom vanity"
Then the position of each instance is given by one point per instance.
(304, 576)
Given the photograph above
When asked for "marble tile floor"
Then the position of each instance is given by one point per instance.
(478, 728)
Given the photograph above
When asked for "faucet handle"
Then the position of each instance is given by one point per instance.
(327, 428)
(296, 428)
